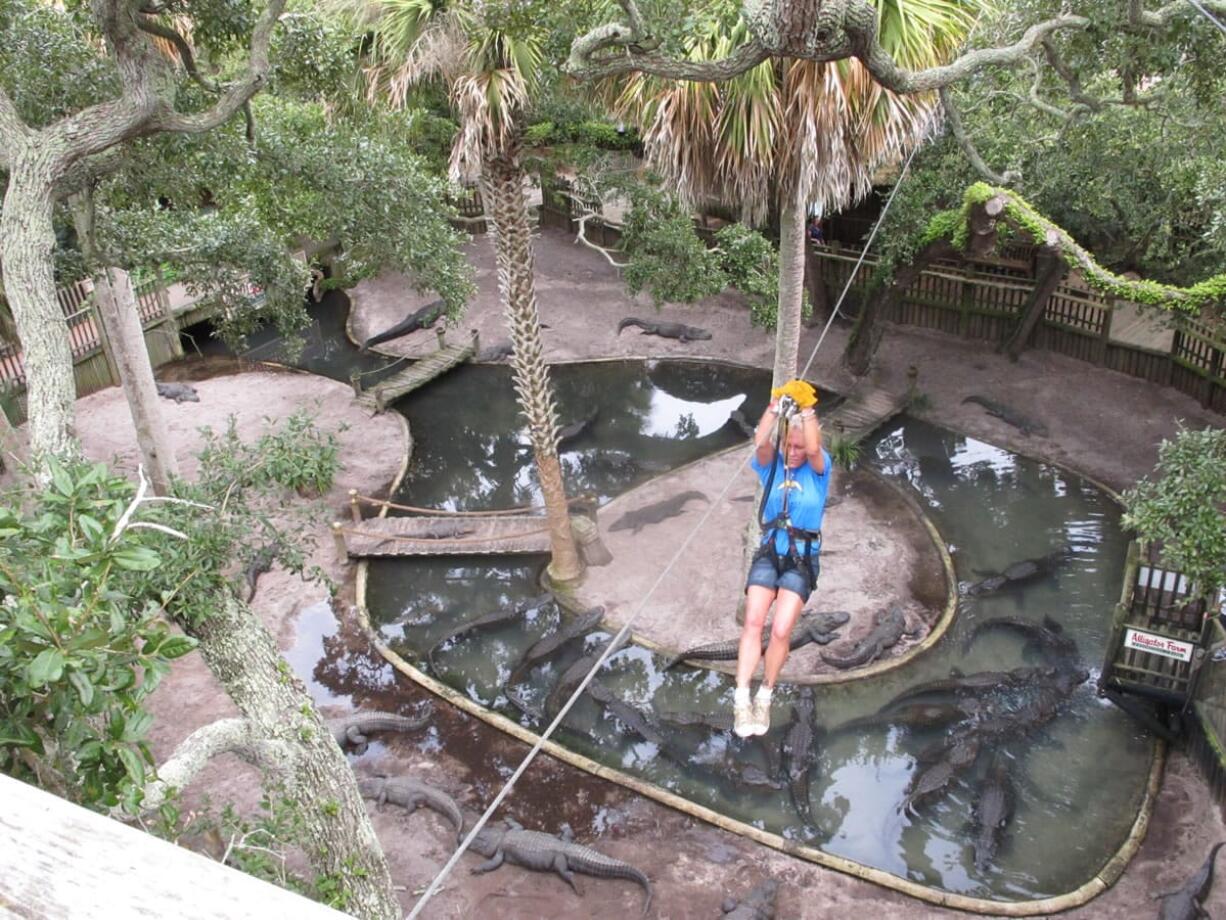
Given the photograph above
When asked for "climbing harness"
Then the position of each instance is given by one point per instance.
(616, 642)
(793, 558)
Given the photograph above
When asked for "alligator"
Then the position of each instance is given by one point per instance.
(636, 520)
(496, 353)
(260, 563)
(577, 428)
(547, 853)
(543, 648)
(759, 904)
(494, 618)
(179, 392)
(889, 625)
(573, 676)
(977, 684)
(410, 794)
(667, 330)
(353, 729)
(929, 782)
(811, 627)
(424, 318)
(992, 811)
(1017, 574)
(1187, 901)
(716, 721)
(1049, 638)
(447, 531)
(798, 754)
(637, 722)
(737, 419)
(915, 715)
(1009, 416)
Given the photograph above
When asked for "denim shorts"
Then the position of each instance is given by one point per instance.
(796, 580)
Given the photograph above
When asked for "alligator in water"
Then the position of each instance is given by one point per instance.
(570, 433)
(637, 722)
(260, 563)
(410, 794)
(354, 729)
(636, 520)
(667, 330)
(424, 318)
(889, 625)
(1009, 416)
(1187, 901)
(798, 754)
(1048, 638)
(179, 392)
(978, 684)
(811, 627)
(716, 721)
(571, 678)
(547, 853)
(958, 755)
(494, 618)
(759, 904)
(496, 353)
(915, 715)
(543, 648)
(1018, 574)
(992, 811)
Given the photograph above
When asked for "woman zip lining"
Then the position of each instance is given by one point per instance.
(795, 473)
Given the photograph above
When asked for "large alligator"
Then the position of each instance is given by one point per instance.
(179, 392)
(667, 330)
(716, 721)
(818, 628)
(494, 618)
(547, 853)
(1017, 574)
(915, 715)
(798, 754)
(496, 353)
(992, 811)
(1049, 638)
(958, 756)
(636, 520)
(424, 318)
(1009, 416)
(571, 432)
(978, 684)
(889, 625)
(354, 728)
(572, 677)
(1187, 901)
(637, 722)
(543, 648)
(759, 904)
(410, 794)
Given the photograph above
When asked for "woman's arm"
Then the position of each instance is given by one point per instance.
(764, 446)
(813, 440)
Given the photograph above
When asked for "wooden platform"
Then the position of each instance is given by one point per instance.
(447, 535)
(862, 412)
(417, 374)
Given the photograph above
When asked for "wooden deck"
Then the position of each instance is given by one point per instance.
(417, 374)
(447, 535)
(862, 412)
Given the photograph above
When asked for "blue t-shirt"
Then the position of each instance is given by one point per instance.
(806, 501)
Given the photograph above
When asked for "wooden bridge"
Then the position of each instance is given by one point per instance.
(429, 532)
(863, 411)
(418, 374)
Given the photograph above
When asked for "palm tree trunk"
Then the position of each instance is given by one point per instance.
(502, 187)
(791, 287)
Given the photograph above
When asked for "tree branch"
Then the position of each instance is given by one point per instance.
(1161, 16)
(1010, 176)
(85, 173)
(583, 65)
(1038, 102)
(181, 45)
(12, 128)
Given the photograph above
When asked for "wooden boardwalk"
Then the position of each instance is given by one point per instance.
(862, 412)
(417, 374)
(447, 535)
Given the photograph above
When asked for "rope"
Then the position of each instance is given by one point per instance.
(442, 512)
(615, 643)
(1213, 19)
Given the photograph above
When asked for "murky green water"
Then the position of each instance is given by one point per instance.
(1079, 779)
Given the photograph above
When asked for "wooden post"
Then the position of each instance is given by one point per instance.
(476, 343)
(355, 510)
(355, 381)
(1104, 339)
(912, 381)
(338, 539)
(441, 332)
(171, 325)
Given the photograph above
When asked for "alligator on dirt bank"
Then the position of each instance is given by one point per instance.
(667, 330)
(410, 794)
(759, 904)
(1187, 901)
(354, 728)
(424, 318)
(889, 625)
(547, 853)
(179, 392)
(1009, 416)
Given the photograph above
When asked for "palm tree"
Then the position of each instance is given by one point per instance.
(490, 74)
(793, 133)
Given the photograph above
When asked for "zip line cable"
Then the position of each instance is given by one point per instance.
(614, 645)
(1213, 19)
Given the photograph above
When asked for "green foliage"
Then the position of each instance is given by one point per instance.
(598, 134)
(666, 256)
(1184, 508)
(843, 451)
(81, 645)
(751, 265)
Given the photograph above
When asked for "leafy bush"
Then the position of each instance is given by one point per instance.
(751, 264)
(666, 256)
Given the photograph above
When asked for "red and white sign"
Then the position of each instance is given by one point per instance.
(1158, 645)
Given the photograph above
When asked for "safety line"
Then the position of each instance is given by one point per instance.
(1213, 19)
(614, 645)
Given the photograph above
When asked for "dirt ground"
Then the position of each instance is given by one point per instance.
(1100, 423)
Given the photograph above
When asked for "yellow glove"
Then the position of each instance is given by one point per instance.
(801, 393)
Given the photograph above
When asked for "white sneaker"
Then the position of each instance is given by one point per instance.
(761, 716)
(744, 723)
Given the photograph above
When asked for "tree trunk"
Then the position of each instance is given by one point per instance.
(1050, 271)
(336, 833)
(502, 187)
(791, 288)
(27, 240)
(867, 332)
(118, 312)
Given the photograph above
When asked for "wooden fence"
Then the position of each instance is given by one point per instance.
(1207, 731)
(983, 300)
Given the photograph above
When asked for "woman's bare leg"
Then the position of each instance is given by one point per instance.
(787, 608)
(757, 603)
